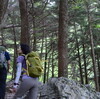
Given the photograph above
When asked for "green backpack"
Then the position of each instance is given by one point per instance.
(34, 64)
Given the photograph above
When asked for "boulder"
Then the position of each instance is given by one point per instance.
(63, 88)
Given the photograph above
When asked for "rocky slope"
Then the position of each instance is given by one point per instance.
(63, 88)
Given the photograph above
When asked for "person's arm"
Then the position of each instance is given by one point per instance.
(7, 55)
(18, 74)
(8, 65)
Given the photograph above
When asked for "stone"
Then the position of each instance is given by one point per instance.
(63, 88)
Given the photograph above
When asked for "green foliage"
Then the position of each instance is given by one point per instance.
(97, 26)
(45, 16)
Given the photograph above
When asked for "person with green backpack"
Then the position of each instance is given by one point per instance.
(29, 67)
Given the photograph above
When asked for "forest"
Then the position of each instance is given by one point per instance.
(65, 33)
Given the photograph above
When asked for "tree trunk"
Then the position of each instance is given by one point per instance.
(45, 67)
(15, 52)
(15, 46)
(2, 37)
(62, 39)
(48, 66)
(85, 65)
(3, 8)
(25, 35)
(84, 58)
(98, 62)
(78, 53)
(80, 66)
(53, 67)
(43, 35)
(92, 48)
(52, 53)
(42, 45)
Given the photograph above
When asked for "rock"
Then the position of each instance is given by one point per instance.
(63, 88)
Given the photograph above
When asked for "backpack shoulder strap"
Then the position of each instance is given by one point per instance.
(27, 63)
(23, 55)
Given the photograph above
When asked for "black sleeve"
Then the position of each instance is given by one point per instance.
(7, 56)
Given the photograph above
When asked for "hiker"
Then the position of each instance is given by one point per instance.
(28, 84)
(4, 68)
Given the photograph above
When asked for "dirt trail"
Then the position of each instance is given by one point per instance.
(9, 95)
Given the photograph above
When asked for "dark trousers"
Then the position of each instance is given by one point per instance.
(3, 76)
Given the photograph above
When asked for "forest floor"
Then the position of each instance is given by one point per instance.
(9, 94)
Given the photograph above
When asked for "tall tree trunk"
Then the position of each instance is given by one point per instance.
(15, 54)
(73, 69)
(53, 63)
(48, 66)
(78, 53)
(92, 47)
(45, 67)
(43, 35)
(34, 35)
(34, 27)
(81, 71)
(98, 62)
(2, 37)
(15, 51)
(42, 45)
(84, 57)
(62, 39)
(25, 35)
(52, 53)
(3, 8)
(85, 65)
(15, 46)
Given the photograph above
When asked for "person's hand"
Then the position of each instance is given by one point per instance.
(12, 90)
(8, 69)
(15, 87)
(8, 65)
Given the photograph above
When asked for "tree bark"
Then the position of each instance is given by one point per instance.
(78, 54)
(34, 27)
(3, 8)
(92, 47)
(45, 67)
(53, 67)
(49, 61)
(85, 65)
(62, 39)
(2, 36)
(98, 62)
(84, 57)
(15, 53)
(15, 45)
(25, 35)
